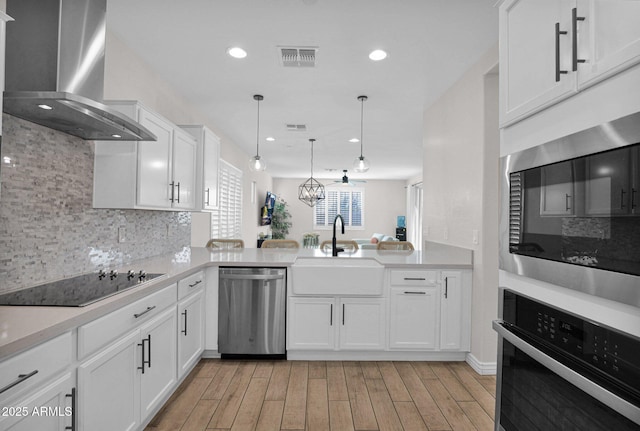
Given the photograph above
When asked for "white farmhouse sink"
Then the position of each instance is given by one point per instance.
(336, 276)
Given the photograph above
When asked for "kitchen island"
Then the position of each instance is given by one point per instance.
(376, 305)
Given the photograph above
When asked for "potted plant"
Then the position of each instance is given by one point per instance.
(280, 223)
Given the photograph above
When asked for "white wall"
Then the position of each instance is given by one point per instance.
(460, 180)
(383, 202)
(128, 77)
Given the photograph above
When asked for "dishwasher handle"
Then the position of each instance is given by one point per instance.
(252, 276)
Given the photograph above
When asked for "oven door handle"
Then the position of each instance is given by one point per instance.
(608, 398)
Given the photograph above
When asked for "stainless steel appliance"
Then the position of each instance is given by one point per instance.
(571, 211)
(251, 315)
(78, 291)
(558, 371)
(55, 69)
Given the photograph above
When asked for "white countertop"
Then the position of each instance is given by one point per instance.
(23, 327)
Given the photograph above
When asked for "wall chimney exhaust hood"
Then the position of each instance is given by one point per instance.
(55, 69)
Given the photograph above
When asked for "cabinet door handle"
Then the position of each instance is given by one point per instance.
(558, 70)
(622, 193)
(574, 34)
(172, 184)
(633, 198)
(144, 312)
(414, 279)
(72, 395)
(446, 287)
(342, 314)
(567, 199)
(331, 315)
(208, 192)
(143, 355)
(21, 378)
(178, 198)
(184, 313)
(408, 292)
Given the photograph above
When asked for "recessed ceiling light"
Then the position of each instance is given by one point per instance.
(237, 52)
(377, 55)
(354, 140)
(43, 106)
(115, 135)
(270, 139)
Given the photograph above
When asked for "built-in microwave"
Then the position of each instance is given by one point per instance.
(571, 211)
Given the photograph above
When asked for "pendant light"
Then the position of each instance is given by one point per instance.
(256, 163)
(361, 164)
(311, 191)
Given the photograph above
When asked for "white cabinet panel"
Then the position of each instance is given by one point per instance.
(608, 38)
(109, 387)
(190, 331)
(48, 409)
(207, 166)
(312, 323)
(158, 374)
(413, 318)
(362, 323)
(184, 170)
(154, 163)
(454, 312)
(530, 56)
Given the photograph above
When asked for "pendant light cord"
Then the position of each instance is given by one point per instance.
(312, 140)
(362, 99)
(258, 131)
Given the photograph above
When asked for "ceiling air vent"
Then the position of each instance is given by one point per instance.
(296, 127)
(292, 56)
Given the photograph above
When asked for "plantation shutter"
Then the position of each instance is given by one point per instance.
(226, 221)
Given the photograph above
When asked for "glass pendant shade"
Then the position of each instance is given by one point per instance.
(256, 164)
(311, 191)
(361, 164)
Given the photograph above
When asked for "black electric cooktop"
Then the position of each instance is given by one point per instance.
(77, 291)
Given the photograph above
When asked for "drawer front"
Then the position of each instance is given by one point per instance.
(188, 285)
(99, 332)
(413, 277)
(33, 367)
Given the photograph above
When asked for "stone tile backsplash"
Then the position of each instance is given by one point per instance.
(48, 227)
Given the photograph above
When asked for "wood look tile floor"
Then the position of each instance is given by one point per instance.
(337, 396)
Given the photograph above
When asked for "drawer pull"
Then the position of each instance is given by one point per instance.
(195, 284)
(414, 279)
(408, 292)
(21, 378)
(72, 395)
(144, 312)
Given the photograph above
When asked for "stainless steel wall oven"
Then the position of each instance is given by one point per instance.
(558, 371)
(571, 211)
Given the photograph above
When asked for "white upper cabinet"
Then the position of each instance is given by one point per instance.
(552, 49)
(208, 160)
(608, 38)
(158, 174)
(535, 56)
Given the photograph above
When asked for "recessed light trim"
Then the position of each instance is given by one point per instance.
(236, 52)
(377, 55)
(270, 139)
(45, 107)
(115, 135)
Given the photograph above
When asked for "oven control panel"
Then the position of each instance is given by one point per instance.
(610, 351)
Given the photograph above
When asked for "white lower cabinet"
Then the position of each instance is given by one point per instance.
(190, 331)
(413, 318)
(51, 408)
(330, 323)
(455, 312)
(122, 385)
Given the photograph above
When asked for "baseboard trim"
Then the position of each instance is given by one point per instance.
(482, 368)
(323, 355)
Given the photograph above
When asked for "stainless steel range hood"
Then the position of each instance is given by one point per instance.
(55, 69)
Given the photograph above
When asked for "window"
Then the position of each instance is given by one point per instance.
(349, 203)
(226, 221)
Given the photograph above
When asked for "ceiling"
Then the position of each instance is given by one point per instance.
(430, 43)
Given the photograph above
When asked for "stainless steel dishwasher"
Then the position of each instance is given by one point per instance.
(251, 313)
